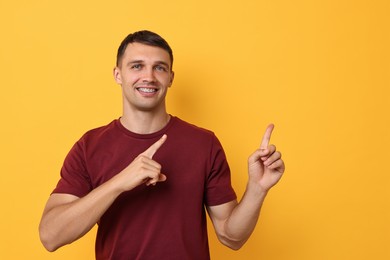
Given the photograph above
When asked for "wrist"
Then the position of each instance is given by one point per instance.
(256, 189)
(118, 186)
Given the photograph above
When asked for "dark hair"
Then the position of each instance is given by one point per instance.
(144, 37)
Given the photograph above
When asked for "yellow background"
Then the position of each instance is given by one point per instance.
(319, 70)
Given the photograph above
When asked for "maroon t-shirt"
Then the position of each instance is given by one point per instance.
(166, 221)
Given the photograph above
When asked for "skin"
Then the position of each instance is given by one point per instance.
(145, 75)
(145, 67)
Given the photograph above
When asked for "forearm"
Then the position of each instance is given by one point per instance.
(65, 223)
(243, 219)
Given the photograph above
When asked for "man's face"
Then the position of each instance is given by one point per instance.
(145, 76)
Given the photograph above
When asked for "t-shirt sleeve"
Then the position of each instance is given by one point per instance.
(219, 189)
(74, 174)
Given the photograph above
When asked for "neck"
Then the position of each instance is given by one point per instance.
(145, 122)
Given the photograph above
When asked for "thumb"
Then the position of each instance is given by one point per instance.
(161, 178)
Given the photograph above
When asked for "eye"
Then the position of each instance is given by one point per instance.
(136, 66)
(160, 68)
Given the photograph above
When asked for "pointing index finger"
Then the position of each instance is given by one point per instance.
(154, 147)
(267, 137)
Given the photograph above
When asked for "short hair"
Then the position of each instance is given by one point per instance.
(144, 37)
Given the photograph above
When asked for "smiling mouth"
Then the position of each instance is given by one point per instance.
(147, 90)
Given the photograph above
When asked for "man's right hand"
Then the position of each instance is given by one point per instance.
(143, 169)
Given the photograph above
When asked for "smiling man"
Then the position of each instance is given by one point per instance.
(148, 177)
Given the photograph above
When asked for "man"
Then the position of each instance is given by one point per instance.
(147, 177)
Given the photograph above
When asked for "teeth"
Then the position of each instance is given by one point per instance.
(148, 90)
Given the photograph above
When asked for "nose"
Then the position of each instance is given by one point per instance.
(148, 75)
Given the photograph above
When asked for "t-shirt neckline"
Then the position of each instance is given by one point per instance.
(160, 132)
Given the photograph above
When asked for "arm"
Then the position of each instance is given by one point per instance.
(67, 218)
(234, 222)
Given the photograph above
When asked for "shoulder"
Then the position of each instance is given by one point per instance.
(191, 128)
(99, 133)
(191, 134)
(102, 129)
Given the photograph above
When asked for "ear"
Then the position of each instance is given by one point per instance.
(117, 75)
(172, 77)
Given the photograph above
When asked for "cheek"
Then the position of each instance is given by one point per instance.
(130, 79)
(166, 80)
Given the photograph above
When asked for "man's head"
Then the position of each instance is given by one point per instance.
(144, 71)
(144, 37)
